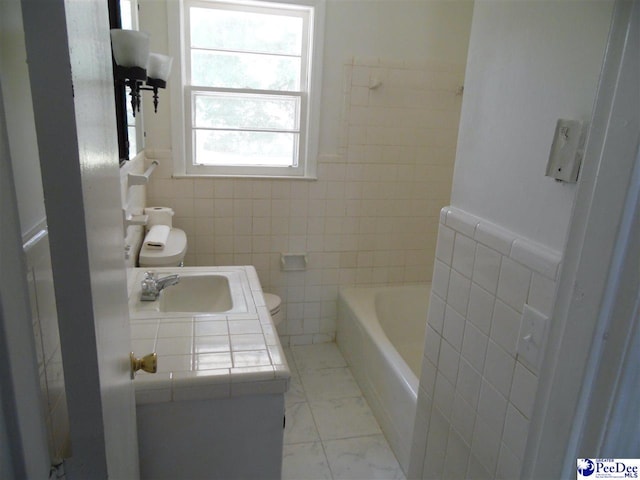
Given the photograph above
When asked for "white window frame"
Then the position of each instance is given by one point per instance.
(180, 92)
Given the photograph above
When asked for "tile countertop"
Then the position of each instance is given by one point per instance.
(209, 356)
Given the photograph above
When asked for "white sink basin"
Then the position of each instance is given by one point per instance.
(197, 293)
(211, 291)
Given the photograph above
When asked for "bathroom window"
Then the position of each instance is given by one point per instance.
(249, 90)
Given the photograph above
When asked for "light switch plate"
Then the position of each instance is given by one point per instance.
(565, 157)
(533, 333)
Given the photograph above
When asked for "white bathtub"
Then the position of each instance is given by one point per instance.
(380, 332)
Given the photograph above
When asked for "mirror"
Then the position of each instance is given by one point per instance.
(124, 14)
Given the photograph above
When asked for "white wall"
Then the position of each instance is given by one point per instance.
(408, 29)
(20, 126)
(529, 64)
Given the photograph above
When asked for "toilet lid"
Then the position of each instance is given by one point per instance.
(273, 301)
(172, 253)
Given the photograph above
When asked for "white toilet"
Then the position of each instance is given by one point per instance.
(273, 304)
(171, 255)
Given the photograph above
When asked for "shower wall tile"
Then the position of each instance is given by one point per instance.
(370, 218)
(486, 269)
(440, 281)
(433, 341)
(485, 445)
(458, 293)
(483, 393)
(469, 382)
(464, 255)
(505, 327)
(453, 329)
(463, 418)
(515, 431)
(444, 247)
(509, 465)
(492, 407)
(513, 285)
(541, 294)
(455, 463)
(437, 441)
(474, 347)
(498, 368)
(480, 311)
(437, 308)
(476, 471)
(448, 361)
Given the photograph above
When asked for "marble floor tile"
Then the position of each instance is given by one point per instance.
(299, 424)
(295, 394)
(362, 458)
(331, 432)
(330, 384)
(344, 418)
(305, 461)
(314, 357)
(290, 361)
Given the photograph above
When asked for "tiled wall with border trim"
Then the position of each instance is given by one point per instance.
(476, 393)
(47, 341)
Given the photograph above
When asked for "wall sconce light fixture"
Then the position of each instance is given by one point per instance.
(135, 65)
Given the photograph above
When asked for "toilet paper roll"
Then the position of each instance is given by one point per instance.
(159, 216)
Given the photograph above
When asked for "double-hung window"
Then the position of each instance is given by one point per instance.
(249, 88)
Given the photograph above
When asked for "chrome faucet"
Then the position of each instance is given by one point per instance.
(152, 285)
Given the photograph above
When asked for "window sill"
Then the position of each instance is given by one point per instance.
(310, 178)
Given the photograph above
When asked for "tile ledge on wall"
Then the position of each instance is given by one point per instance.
(535, 256)
(462, 222)
(409, 64)
(495, 237)
(530, 254)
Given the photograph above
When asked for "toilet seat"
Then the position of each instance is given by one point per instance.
(171, 255)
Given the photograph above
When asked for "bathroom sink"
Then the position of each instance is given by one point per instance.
(201, 290)
(197, 293)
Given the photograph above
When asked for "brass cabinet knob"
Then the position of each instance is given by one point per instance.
(148, 363)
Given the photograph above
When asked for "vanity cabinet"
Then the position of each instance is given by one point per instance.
(215, 407)
(226, 438)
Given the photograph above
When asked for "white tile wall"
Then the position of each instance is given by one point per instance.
(47, 343)
(370, 218)
(480, 404)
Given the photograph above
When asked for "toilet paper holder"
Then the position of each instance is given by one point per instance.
(142, 179)
(129, 219)
(291, 262)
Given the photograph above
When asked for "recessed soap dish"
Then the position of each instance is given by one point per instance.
(290, 262)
